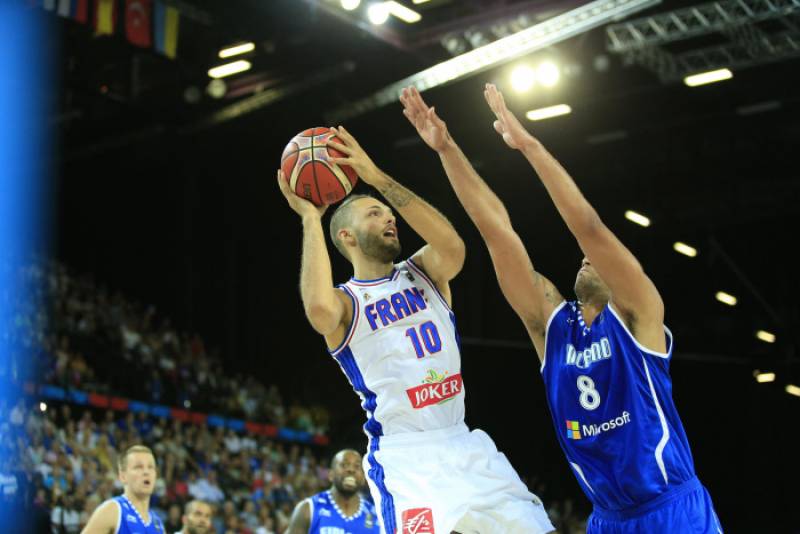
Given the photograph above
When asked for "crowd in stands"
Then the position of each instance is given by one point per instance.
(65, 462)
(86, 337)
(59, 461)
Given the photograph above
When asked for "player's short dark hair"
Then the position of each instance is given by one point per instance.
(341, 218)
(194, 502)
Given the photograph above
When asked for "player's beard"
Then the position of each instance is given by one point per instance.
(344, 491)
(589, 288)
(193, 529)
(375, 246)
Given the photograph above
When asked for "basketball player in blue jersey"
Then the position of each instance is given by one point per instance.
(129, 513)
(341, 509)
(604, 357)
(393, 333)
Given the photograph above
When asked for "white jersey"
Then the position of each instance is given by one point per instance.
(402, 353)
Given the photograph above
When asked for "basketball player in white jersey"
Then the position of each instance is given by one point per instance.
(392, 331)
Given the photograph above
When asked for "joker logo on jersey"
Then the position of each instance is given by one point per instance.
(437, 389)
(598, 351)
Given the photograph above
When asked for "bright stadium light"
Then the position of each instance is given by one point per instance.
(704, 78)
(42, 407)
(548, 112)
(764, 377)
(726, 298)
(685, 249)
(350, 5)
(548, 74)
(766, 337)
(522, 78)
(543, 34)
(637, 218)
(402, 12)
(229, 69)
(791, 389)
(236, 50)
(378, 13)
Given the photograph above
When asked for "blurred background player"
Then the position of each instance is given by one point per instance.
(392, 331)
(605, 357)
(197, 516)
(129, 513)
(341, 508)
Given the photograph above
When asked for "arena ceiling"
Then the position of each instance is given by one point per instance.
(709, 165)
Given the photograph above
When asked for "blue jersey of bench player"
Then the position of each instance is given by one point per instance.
(327, 517)
(611, 403)
(130, 522)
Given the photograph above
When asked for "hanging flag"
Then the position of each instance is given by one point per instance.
(166, 23)
(105, 16)
(137, 22)
(74, 9)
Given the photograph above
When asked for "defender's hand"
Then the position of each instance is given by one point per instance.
(430, 127)
(507, 125)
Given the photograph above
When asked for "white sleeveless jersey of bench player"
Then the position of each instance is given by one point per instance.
(402, 354)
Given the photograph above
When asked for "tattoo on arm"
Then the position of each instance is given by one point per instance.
(397, 195)
(550, 293)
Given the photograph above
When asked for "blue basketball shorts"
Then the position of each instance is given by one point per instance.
(685, 509)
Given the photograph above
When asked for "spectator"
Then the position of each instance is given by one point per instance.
(206, 489)
(65, 518)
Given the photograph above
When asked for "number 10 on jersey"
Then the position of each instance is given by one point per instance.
(427, 337)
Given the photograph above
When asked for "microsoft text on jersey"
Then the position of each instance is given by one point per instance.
(598, 351)
(585, 431)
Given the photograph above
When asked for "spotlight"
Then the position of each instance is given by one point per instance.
(548, 74)
(637, 218)
(522, 78)
(378, 13)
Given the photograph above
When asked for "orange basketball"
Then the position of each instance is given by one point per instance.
(306, 165)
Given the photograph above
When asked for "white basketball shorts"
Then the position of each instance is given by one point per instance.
(448, 480)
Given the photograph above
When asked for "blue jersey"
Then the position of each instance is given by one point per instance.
(130, 522)
(327, 517)
(611, 402)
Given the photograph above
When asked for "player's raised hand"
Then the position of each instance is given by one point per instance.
(507, 125)
(300, 205)
(429, 126)
(356, 156)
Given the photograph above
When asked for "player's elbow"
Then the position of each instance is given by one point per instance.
(449, 260)
(323, 317)
(456, 252)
